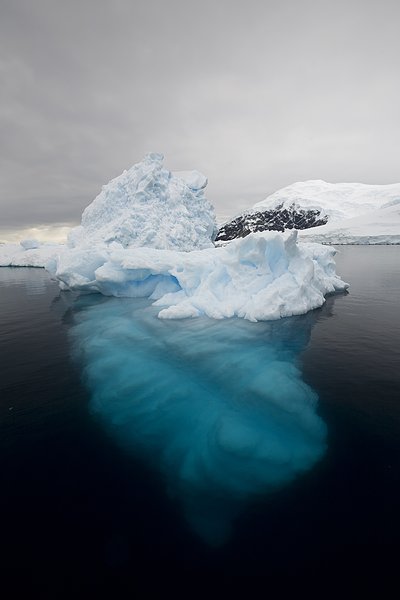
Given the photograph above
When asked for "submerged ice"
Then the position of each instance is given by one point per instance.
(218, 407)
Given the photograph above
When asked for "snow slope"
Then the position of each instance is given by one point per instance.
(380, 226)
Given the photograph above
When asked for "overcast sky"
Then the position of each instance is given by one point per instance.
(256, 94)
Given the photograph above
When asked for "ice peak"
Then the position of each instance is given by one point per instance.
(156, 157)
(149, 206)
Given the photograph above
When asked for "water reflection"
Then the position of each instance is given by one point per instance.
(219, 407)
(34, 281)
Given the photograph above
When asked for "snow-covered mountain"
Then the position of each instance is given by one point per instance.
(311, 204)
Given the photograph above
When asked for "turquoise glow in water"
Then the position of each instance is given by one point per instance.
(80, 507)
(219, 407)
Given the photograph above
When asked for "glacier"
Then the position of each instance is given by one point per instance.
(217, 408)
(381, 226)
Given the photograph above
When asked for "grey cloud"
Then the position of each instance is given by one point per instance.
(256, 94)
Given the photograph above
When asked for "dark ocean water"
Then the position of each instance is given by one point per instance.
(132, 446)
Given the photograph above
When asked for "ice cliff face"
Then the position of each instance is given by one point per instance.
(310, 204)
(149, 206)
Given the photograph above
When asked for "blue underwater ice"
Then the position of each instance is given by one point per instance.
(218, 407)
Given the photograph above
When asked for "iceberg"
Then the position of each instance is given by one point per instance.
(218, 408)
(150, 233)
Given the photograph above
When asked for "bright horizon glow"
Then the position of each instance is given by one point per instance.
(56, 233)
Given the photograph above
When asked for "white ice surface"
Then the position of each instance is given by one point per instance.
(149, 206)
(264, 276)
(380, 226)
(28, 253)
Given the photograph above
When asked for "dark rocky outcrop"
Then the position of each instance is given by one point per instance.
(276, 219)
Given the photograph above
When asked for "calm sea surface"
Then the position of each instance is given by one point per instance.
(131, 445)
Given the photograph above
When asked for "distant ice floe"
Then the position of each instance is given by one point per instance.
(28, 253)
